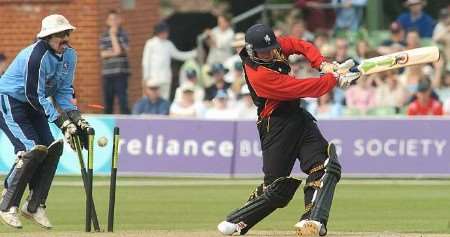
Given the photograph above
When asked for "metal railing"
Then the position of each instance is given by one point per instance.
(264, 9)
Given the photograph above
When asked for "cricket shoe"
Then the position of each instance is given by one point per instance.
(310, 228)
(11, 217)
(40, 216)
(228, 228)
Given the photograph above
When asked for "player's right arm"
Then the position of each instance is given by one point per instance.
(273, 85)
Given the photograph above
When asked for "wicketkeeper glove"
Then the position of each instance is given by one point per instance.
(68, 128)
(82, 125)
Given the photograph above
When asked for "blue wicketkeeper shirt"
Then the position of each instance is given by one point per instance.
(37, 73)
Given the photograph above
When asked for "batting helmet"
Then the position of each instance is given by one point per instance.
(259, 38)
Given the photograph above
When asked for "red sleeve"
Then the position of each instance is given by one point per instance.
(290, 45)
(412, 109)
(438, 108)
(273, 85)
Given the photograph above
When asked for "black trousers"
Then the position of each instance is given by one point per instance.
(286, 137)
(116, 85)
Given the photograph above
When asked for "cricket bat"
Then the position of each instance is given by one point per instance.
(398, 60)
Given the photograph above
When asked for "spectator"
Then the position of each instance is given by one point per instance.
(349, 14)
(389, 93)
(447, 107)
(341, 55)
(245, 108)
(363, 50)
(412, 39)
(152, 102)
(219, 41)
(219, 84)
(321, 38)
(442, 88)
(318, 14)
(416, 18)
(238, 80)
(341, 50)
(191, 81)
(231, 62)
(329, 52)
(186, 106)
(298, 30)
(221, 108)
(425, 104)
(361, 97)
(441, 34)
(114, 50)
(157, 55)
(410, 77)
(326, 108)
(396, 41)
(3, 64)
(300, 67)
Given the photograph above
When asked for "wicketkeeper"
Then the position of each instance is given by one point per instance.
(43, 69)
(288, 132)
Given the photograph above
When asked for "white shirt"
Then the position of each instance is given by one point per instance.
(222, 49)
(229, 64)
(220, 114)
(156, 59)
(244, 112)
(447, 106)
(192, 111)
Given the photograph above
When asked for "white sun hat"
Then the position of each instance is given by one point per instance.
(53, 24)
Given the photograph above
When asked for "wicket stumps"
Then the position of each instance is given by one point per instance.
(112, 187)
(90, 173)
(84, 175)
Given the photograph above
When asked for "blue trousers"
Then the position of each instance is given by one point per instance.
(24, 126)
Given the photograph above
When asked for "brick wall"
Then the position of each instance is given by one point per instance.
(20, 22)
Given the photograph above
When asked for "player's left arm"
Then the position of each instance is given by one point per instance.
(64, 92)
(291, 45)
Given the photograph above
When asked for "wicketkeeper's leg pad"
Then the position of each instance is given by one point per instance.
(24, 168)
(263, 203)
(42, 179)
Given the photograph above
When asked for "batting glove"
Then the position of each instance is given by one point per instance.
(340, 68)
(345, 80)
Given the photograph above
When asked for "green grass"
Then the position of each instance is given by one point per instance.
(420, 206)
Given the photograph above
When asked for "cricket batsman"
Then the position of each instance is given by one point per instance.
(43, 69)
(288, 132)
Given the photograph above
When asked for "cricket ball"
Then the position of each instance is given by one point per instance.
(102, 141)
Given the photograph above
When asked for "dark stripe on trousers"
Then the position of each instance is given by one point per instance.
(32, 77)
(33, 124)
(18, 145)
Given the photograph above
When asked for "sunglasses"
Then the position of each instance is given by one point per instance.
(62, 34)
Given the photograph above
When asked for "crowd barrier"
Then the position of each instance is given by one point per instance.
(163, 146)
